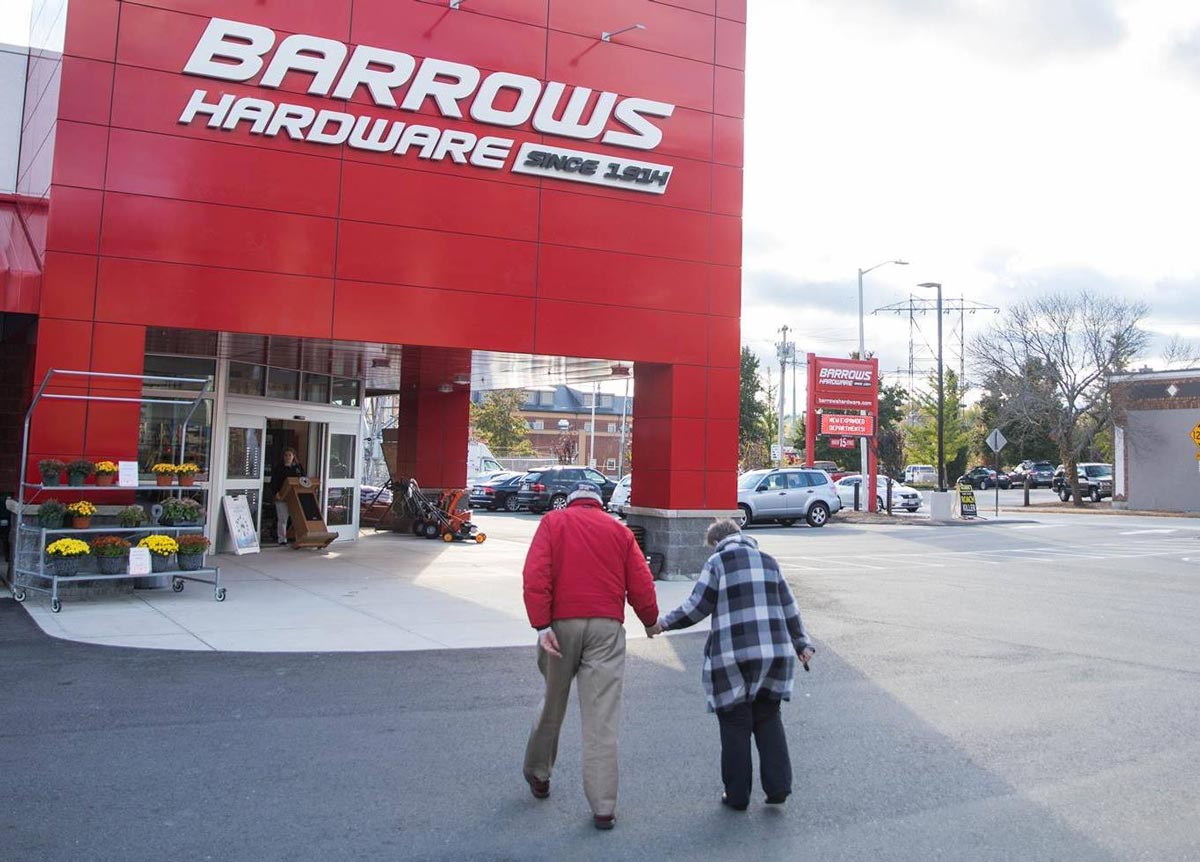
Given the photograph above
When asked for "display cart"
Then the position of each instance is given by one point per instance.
(29, 572)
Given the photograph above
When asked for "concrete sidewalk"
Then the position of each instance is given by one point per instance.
(385, 592)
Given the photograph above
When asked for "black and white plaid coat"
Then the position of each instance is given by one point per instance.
(756, 628)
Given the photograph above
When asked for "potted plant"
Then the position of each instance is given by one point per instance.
(64, 556)
(164, 474)
(191, 551)
(78, 471)
(81, 513)
(50, 514)
(180, 512)
(51, 470)
(131, 516)
(187, 472)
(161, 549)
(112, 554)
(106, 472)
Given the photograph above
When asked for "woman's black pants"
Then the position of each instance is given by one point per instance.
(761, 719)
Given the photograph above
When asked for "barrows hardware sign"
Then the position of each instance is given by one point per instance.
(236, 51)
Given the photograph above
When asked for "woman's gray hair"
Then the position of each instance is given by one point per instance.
(719, 530)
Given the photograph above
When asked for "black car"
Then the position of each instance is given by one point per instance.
(983, 477)
(548, 488)
(1039, 473)
(499, 492)
(1095, 481)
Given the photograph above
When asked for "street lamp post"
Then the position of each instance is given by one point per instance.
(862, 354)
(941, 397)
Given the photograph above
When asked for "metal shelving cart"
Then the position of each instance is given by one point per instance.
(29, 570)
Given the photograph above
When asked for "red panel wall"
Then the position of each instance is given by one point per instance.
(156, 223)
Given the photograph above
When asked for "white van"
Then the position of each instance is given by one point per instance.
(480, 462)
(920, 474)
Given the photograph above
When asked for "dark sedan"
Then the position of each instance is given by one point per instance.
(499, 492)
(983, 477)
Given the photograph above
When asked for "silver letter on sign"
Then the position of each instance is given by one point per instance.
(570, 125)
(484, 109)
(244, 44)
(445, 93)
(322, 57)
(379, 81)
(647, 135)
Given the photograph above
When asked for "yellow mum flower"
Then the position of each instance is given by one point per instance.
(68, 548)
(81, 509)
(103, 467)
(164, 546)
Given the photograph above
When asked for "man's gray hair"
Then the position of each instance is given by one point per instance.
(719, 530)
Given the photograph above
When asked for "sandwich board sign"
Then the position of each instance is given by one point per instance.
(966, 500)
(240, 522)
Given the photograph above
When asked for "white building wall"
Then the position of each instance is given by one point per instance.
(13, 63)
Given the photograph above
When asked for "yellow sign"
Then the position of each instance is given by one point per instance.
(1196, 434)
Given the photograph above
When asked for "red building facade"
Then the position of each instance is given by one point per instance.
(497, 177)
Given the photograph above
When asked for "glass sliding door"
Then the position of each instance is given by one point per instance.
(340, 479)
(244, 464)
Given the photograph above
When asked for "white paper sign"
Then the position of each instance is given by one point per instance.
(139, 561)
(241, 525)
(127, 474)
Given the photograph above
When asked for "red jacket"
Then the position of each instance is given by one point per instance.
(583, 563)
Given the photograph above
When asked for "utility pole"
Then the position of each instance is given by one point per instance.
(783, 358)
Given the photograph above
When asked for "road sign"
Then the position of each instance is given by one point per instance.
(997, 441)
(1196, 434)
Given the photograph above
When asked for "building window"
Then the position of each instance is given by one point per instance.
(246, 379)
(538, 425)
(346, 392)
(612, 427)
(606, 401)
(546, 399)
(178, 366)
(587, 426)
(610, 464)
(283, 383)
(316, 388)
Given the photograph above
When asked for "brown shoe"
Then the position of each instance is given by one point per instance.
(604, 821)
(540, 789)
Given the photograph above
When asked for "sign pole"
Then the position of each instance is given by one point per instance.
(997, 483)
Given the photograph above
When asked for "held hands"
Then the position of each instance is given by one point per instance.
(548, 641)
(653, 630)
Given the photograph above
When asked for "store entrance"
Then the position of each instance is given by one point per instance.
(307, 439)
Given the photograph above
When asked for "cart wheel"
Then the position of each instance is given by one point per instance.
(177, 585)
(447, 537)
(418, 527)
(219, 595)
(55, 606)
(19, 595)
(480, 538)
(431, 531)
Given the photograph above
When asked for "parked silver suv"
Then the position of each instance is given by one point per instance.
(787, 495)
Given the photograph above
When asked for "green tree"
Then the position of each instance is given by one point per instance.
(921, 438)
(756, 419)
(499, 424)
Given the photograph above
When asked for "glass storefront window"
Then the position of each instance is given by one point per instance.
(246, 379)
(341, 456)
(158, 434)
(345, 392)
(316, 388)
(283, 383)
(178, 366)
(186, 342)
(245, 454)
(339, 512)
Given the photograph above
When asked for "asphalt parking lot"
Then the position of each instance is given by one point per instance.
(1016, 690)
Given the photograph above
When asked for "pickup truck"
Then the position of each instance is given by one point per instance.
(1095, 481)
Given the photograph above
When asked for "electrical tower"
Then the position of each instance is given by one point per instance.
(916, 306)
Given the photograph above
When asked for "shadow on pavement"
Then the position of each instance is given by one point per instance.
(121, 754)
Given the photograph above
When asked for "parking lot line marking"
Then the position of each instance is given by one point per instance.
(1036, 526)
(1143, 532)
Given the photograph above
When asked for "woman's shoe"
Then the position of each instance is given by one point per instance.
(725, 801)
(777, 798)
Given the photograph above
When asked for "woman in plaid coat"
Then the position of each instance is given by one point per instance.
(749, 658)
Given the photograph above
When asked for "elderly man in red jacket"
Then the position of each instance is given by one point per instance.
(581, 567)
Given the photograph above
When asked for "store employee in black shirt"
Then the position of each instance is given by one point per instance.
(289, 466)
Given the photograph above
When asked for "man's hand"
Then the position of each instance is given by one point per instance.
(806, 656)
(653, 630)
(548, 641)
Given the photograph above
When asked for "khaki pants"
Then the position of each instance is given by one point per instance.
(593, 651)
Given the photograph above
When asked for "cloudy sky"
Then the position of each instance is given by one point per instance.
(1004, 147)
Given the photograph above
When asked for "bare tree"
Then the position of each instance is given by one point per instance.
(1052, 359)
(1181, 353)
